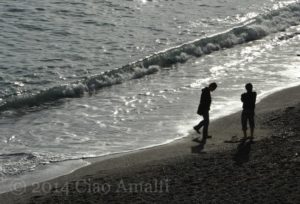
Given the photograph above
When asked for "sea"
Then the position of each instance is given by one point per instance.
(84, 79)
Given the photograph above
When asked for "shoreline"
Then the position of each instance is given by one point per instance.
(180, 147)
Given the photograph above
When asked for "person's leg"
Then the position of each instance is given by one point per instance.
(244, 123)
(252, 132)
(199, 126)
(245, 133)
(251, 124)
(201, 123)
(205, 124)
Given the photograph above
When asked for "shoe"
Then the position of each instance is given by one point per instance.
(197, 130)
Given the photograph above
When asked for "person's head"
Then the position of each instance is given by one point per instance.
(249, 87)
(212, 86)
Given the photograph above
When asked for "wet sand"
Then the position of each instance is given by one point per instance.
(222, 170)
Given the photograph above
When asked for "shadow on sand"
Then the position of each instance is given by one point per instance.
(198, 148)
(243, 152)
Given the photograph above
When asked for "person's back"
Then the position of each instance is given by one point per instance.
(248, 99)
(205, 101)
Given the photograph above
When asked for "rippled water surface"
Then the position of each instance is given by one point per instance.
(49, 43)
(45, 43)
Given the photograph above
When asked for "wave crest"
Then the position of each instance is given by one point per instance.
(256, 28)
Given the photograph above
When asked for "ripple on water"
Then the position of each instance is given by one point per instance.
(134, 114)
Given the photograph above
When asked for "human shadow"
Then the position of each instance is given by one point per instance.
(198, 148)
(242, 153)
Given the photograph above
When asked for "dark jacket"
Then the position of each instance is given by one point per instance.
(248, 99)
(205, 101)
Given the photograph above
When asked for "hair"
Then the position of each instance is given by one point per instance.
(213, 85)
(249, 87)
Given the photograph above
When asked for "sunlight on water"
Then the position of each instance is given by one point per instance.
(159, 105)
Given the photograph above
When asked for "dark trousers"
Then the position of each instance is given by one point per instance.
(247, 115)
(204, 123)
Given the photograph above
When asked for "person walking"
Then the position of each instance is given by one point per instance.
(248, 113)
(203, 109)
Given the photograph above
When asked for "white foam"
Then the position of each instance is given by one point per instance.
(254, 29)
(40, 174)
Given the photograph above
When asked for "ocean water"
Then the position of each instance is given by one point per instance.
(86, 79)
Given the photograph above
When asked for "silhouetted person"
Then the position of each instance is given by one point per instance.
(248, 99)
(203, 109)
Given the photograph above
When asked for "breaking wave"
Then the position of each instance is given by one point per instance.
(256, 28)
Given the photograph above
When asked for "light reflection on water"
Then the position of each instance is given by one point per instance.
(138, 113)
(151, 110)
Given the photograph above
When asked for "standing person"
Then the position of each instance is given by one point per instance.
(248, 99)
(203, 109)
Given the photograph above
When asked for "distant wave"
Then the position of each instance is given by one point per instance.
(18, 154)
(256, 28)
